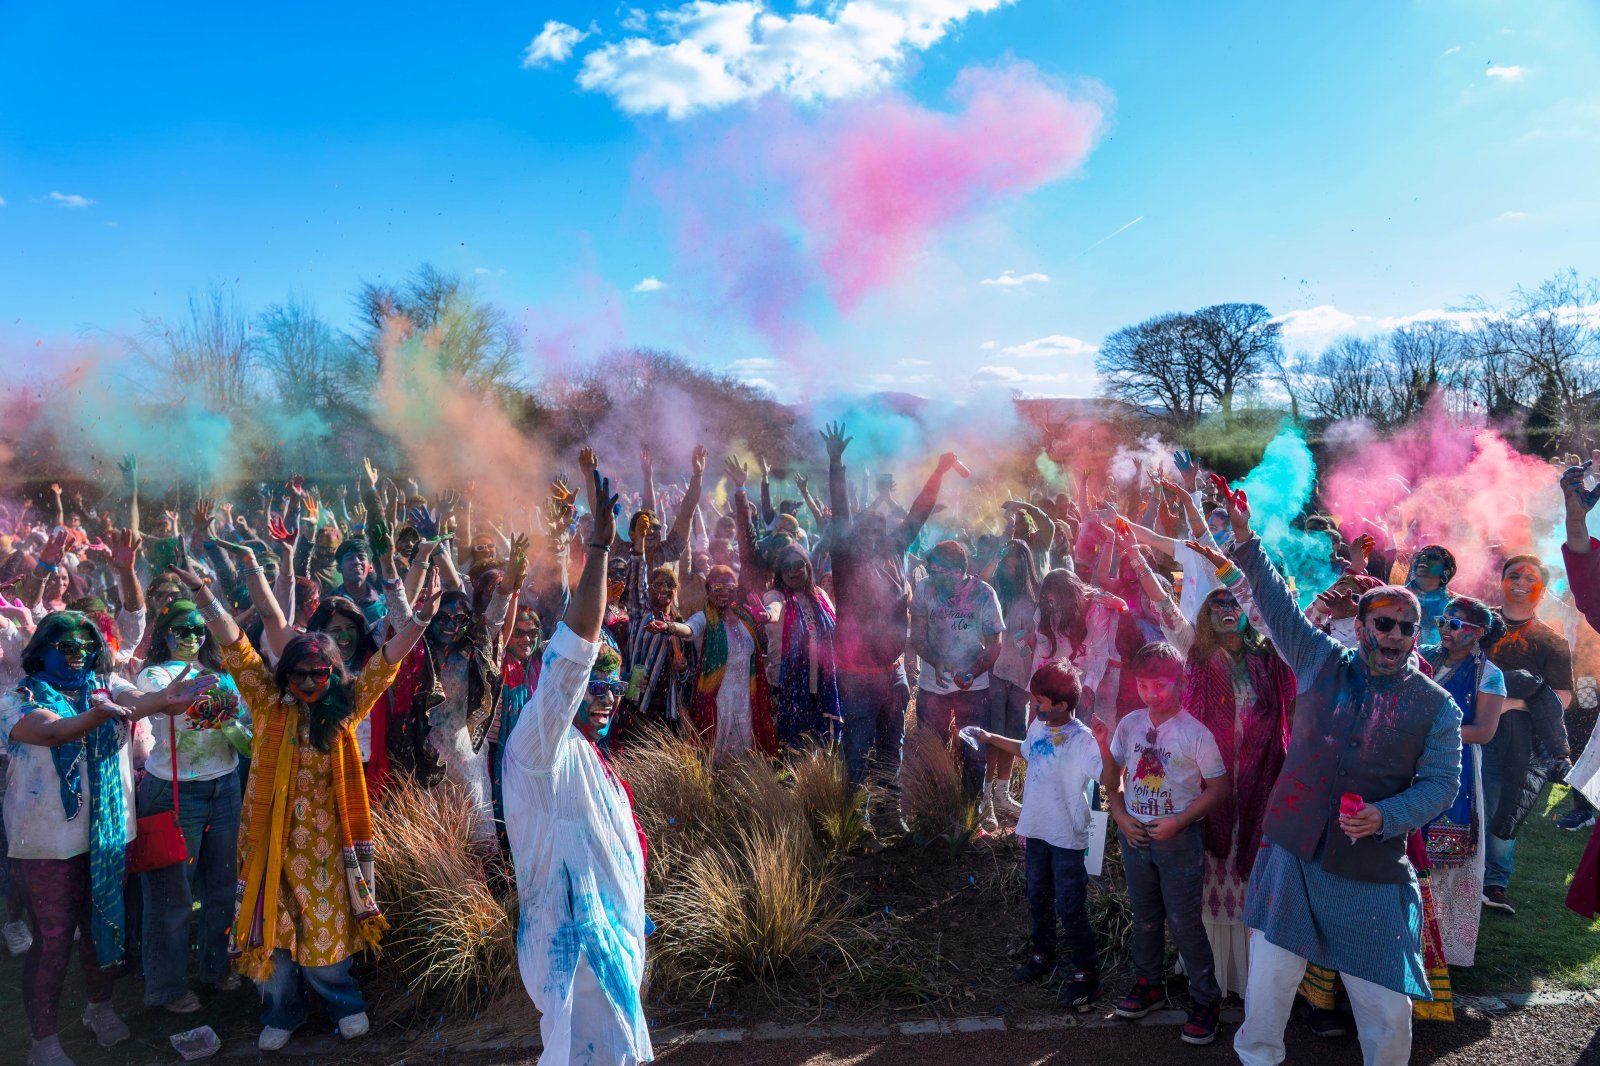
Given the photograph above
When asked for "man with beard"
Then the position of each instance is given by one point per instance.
(1374, 753)
(874, 612)
(576, 847)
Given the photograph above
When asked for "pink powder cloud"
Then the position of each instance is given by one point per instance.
(788, 212)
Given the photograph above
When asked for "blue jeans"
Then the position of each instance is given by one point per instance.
(1499, 856)
(1058, 887)
(874, 705)
(1164, 890)
(208, 814)
(283, 996)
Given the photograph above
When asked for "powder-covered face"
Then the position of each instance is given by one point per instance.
(662, 589)
(185, 635)
(1160, 693)
(616, 580)
(523, 639)
(1462, 639)
(345, 633)
(599, 704)
(310, 680)
(355, 568)
(1388, 635)
(721, 590)
(1522, 586)
(1430, 571)
(56, 585)
(1225, 614)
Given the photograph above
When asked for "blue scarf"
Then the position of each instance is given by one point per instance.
(99, 750)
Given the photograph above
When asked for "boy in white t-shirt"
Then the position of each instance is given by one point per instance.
(1063, 759)
(1163, 772)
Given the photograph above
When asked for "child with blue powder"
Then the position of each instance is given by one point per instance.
(1063, 760)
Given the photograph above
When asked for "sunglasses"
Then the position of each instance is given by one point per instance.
(451, 621)
(67, 647)
(1386, 625)
(1456, 625)
(188, 631)
(524, 634)
(599, 686)
(315, 673)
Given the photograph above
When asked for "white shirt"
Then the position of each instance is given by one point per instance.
(1062, 761)
(36, 822)
(1199, 578)
(1163, 775)
(204, 753)
(580, 869)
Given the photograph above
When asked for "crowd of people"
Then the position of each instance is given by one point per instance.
(201, 713)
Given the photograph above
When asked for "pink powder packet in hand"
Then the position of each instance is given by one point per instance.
(1351, 805)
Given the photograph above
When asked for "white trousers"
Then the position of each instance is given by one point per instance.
(587, 1033)
(1383, 1015)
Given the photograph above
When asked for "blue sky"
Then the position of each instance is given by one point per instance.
(1354, 163)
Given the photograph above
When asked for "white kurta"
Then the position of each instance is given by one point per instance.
(580, 874)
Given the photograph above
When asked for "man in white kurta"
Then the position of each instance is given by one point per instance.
(579, 861)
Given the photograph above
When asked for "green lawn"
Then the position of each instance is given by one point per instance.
(1545, 946)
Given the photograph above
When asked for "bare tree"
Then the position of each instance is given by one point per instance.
(307, 361)
(208, 354)
(1237, 344)
(1156, 364)
(1547, 341)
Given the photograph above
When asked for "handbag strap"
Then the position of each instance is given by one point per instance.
(172, 724)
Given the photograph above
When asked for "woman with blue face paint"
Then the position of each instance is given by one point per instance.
(69, 814)
(1431, 570)
(577, 850)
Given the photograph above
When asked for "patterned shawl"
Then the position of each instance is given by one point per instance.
(714, 663)
(1208, 696)
(801, 715)
(100, 751)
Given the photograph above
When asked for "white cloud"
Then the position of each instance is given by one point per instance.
(708, 54)
(2, 201)
(553, 45)
(1513, 216)
(989, 346)
(1012, 278)
(650, 284)
(1057, 345)
(1078, 383)
(637, 20)
(70, 199)
(1506, 73)
(1316, 327)
(740, 366)
(1452, 50)
(914, 362)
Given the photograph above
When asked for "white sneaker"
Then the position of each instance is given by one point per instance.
(18, 937)
(273, 1039)
(354, 1026)
(1000, 798)
(101, 1019)
(48, 1052)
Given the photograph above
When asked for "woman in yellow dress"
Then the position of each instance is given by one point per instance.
(305, 904)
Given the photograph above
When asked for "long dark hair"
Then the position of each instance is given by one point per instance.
(1067, 620)
(328, 714)
(210, 654)
(52, 628)
(1008, 589)
(344, 606)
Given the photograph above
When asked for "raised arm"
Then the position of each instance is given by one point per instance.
(834, 440)
(587, 608)
(679, 533)
(1303, 646)
(904, 535)
(767, 513)
(129, 466)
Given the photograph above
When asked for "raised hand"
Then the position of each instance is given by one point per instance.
(834, 440)
(186, 689)
(125, 547)
(201, 517)
(766, 469)
(697, 461)
(429, 595)
(647, 462)
(55, 549)
(246, 555)
(370, 471)
(186, 574)
(603, 505)
(517, 568)
(561, 492)
(281, 531)
(588, 462)
(738, 473)
(296, 485)
(1211, 555)
(1572, 480)
(800, 483)
(129, 466)
(358, 513)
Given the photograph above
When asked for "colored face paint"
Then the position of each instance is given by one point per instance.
(594, 713)
(1387, 652)
(1522, 585)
